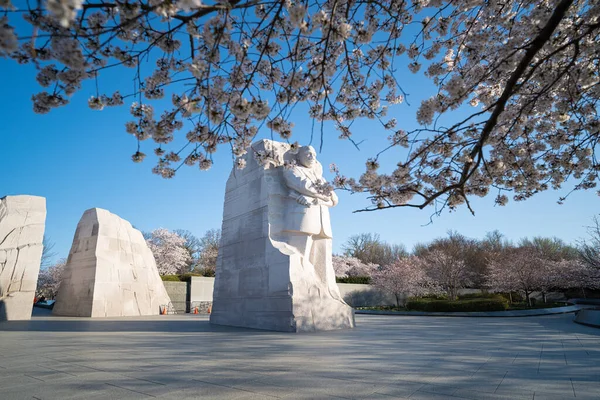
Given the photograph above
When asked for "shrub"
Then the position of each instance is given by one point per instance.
(170, 278)
(188, 277)
(516, 297)
(354, 279)
(433, 297)
(467, 296)
(208, 272)
(467, 305)
(179, 278)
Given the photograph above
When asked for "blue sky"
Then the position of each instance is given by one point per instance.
(78, 159)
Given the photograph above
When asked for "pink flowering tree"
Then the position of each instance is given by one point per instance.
(169, 251)
(351, 266)
(449, 272)
(523, 74)
(576, 274)
(403, 278)
(49, 279)
(520, 269)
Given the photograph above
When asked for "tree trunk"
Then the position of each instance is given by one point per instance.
(397, 300)
(510, 297)
(544, 297)
(528, 299)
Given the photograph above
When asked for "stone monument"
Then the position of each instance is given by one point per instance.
(274, 269)
(110, 271)
(22, 223)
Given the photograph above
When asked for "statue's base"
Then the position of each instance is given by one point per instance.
(283, 314)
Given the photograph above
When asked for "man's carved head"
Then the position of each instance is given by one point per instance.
(307, 156)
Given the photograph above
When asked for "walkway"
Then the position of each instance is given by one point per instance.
(385, 357)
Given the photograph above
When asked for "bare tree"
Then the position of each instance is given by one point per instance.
(495, 242)
(370, 249)
(553, 249)
(589, 250)
(47, 253)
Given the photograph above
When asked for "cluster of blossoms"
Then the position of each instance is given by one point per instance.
(169, 251)
(527, 271)
(50, 278)
(404, 278)
(527, 71)
(345, 266)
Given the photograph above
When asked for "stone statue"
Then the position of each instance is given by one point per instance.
(307, 220)
(274, 269)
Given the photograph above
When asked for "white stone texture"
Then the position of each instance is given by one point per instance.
(201, 289)
(22, 223)
(110, 271)
(264, 280)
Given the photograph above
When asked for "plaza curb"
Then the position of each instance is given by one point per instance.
(495, 314)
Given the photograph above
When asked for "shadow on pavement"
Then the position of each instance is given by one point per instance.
(43, 321)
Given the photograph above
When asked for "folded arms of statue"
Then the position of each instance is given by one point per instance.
(303, 191)
(309, 200)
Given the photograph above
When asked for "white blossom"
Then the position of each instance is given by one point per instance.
(64, 11)
(8, 39)
(529, 72)
(169, 252)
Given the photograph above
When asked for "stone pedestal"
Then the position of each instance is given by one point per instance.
(110, 271)
(262, 281)
(22, 223)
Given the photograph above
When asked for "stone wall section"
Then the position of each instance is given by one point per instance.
(22, 224)
(110, 271)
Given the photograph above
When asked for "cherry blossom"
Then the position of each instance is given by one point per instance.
(345, 266)
(520, 269)
(449, 272)
(404, 278)
(49, 279)
(169, 251)
(513, 113)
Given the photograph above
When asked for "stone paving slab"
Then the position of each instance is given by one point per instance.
(386, 357)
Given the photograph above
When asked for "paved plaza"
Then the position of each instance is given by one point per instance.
(385, 357)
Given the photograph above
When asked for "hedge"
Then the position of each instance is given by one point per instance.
(431, 305)
(179, 278)
(354, 279)
(170, 278)
(516, 297)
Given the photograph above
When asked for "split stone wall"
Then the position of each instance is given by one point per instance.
(110, 271)
(22, 223)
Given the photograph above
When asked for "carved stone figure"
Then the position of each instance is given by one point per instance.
(307, 221)
(274, 268)
(22, 223)
(110, 271)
